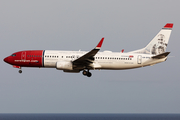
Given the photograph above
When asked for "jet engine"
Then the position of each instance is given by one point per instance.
(64, 65)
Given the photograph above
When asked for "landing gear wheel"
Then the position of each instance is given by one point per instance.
(20, 71)
(86, 73)
(89, 74)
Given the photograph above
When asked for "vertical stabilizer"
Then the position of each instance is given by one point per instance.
(159, 43)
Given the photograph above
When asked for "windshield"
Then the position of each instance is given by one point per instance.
(13, 55)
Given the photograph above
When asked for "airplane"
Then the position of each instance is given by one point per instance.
(76, 61)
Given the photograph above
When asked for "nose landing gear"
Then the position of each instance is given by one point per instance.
(20, 71)
(86, 73)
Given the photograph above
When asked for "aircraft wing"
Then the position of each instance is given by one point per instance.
(88, 58)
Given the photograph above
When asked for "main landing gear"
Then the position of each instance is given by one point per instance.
(86, 73)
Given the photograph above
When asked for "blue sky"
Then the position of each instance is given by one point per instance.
(79, 25)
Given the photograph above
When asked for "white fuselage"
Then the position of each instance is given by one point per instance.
(102, 60)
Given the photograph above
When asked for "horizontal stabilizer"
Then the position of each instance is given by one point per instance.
(163, 55)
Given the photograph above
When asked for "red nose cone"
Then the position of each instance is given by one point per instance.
(6, 59)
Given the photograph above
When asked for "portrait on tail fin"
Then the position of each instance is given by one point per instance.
(160, 46)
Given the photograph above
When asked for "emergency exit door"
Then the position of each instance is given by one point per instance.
(139, 59)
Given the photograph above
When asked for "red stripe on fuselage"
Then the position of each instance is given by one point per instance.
(29, 58)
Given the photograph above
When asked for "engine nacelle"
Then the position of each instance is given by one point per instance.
(64, 65)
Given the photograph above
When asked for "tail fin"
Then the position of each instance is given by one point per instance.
(159, 43)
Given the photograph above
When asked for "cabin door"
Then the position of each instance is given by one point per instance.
(139, 59)
(23, 56)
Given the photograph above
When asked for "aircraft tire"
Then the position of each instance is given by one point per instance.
(84, 72)
(89, 74)
(20, 71)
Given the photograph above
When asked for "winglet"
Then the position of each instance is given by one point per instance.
(169, 25)
(100, 44)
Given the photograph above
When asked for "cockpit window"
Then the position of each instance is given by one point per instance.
(13, 55)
